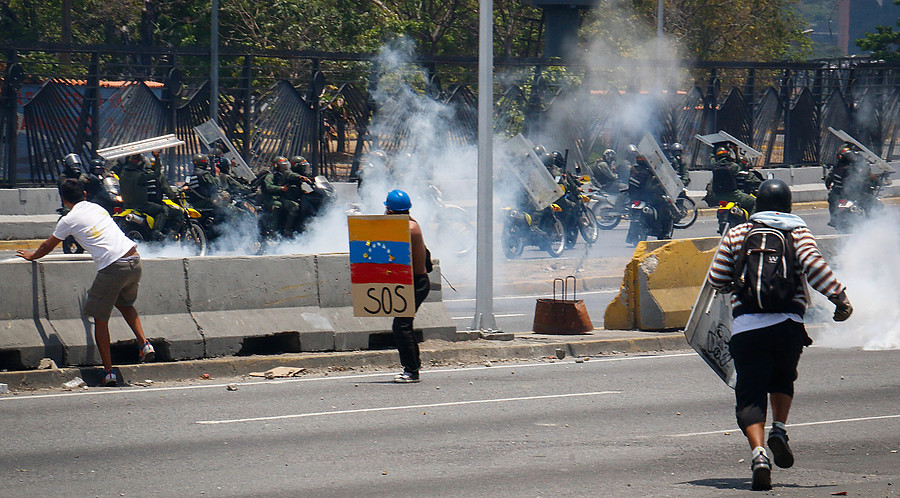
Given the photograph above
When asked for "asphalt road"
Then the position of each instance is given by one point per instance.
(658, 425)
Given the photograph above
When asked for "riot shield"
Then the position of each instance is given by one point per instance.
(517, 155)
(708, 331)
(210, 133)
(139, 147)
(743, 149)
(877, 165)
(661, 168)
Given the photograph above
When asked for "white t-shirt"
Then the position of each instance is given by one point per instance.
(96, 231)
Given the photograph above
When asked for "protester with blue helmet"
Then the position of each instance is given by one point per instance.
(398, 202)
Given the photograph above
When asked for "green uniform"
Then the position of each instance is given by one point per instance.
(724, 186)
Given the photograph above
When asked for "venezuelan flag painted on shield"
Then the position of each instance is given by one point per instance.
(380, 258)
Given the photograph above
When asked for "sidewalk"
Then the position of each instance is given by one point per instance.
(435, 353)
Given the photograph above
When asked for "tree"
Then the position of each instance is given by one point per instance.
(884, 43)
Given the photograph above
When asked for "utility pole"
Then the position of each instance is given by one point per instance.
(214, 63)
(484, 252)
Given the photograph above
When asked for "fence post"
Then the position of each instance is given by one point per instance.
(246, 98)
(786, 91)
(9, 92)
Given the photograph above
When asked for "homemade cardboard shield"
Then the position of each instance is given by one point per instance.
(743, 149)
(518, 156)
(210, 134)
(708, 331)
(139, 147)
(661, 167)
(381, 275)
(877, 165)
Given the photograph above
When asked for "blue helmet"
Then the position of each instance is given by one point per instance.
(398, 200)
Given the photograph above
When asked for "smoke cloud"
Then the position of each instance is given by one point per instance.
(869, 265)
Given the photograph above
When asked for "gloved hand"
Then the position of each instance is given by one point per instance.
(842, 310)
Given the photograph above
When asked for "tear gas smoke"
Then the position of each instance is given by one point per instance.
(869, 265)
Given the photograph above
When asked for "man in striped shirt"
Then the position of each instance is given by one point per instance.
(766, 346)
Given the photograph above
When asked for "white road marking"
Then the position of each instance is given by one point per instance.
(117, 391)
(403, 407)
(803, 424)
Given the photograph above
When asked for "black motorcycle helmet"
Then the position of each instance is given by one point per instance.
(98, 167)
(299, 165)
(200, 161)
(774, 195)
(73, 162)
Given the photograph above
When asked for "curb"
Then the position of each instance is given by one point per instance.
(434, 353)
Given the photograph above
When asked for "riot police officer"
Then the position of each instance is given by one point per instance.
(283, 211)
(143, 188)
(204, 186)
(724, 184)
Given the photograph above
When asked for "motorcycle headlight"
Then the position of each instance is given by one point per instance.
(556, 208)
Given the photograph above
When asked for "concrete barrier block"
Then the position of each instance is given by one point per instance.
(27, 336)
(333, 277)
(354, 333)
(161, 303)
(252, 304)
(22, 227)
(29, 201)
(265, 331)
(661, 285)
(252, 282)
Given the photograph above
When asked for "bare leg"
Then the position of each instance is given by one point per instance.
(101, 337)
(134, 321)
(755, 434)
(781, 405)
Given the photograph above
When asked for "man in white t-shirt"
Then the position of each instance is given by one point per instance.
(118, 265)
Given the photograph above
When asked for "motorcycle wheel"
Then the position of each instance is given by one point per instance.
(71, 246)
(688, 211)
(455, 231)
(512, 241)
(195, 238)
(587, 225)
(606, 216)
(555, 232)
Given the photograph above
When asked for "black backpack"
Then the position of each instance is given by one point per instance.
(765, 277)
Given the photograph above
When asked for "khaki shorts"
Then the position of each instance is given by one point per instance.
(115, 285)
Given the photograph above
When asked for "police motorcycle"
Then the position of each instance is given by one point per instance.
(188, 233)
(452, 224)
(647, 220)
(850, 213)
(730, 214)
(543, 229)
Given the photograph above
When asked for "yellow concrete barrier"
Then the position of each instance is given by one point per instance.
(660, 284)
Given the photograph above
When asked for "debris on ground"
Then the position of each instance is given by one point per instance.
(47, 364)
(231, 387)
(279, 372)
(74, 383)
(560, 353)
(4, 388)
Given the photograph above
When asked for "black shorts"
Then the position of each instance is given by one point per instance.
(766, 362)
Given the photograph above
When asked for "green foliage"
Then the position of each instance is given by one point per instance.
(703, 29)
(884, 43)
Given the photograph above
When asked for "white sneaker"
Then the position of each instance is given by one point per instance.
(407, 378)
(147, 352)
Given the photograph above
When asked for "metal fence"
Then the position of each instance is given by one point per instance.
(321, 105)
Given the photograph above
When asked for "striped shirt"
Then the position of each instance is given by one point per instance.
(811, 265)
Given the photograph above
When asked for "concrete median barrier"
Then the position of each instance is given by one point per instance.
(252, 304)
(25, 333)
(660, 284)
(198, 308)
(162, 305)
